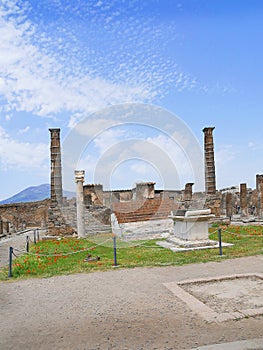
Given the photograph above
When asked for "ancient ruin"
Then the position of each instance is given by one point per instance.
(210, 175)
(57, 224)
(135, 212)
(79, 179)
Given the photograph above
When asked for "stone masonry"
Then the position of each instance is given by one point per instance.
(243, 199)
(210, 177)
(56, 220)
(259, 187)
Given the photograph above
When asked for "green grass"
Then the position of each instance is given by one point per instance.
(66, 256)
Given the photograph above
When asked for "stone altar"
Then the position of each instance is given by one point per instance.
(193, 225)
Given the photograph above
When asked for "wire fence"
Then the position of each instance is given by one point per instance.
(36, 238)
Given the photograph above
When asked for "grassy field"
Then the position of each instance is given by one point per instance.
(71, 255)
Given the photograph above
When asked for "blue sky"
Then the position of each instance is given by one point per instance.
(68, 63)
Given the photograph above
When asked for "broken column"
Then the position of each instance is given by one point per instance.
(57, 224)
(93, 194)
(6, 227)
(243, 199)
(259, 187)
(229, 204)
(210, 177)
(145, 190)
(79, 179)
(188, 191)
(56, 173)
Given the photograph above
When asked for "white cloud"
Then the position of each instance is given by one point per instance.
(254, 146)
(225, 154)
(25, 130)
(22, 156)
(108, 138)
(33, 80)
(45, 80)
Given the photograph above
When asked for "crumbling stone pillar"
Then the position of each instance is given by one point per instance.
(229, 204)
(188, 191)
(210, 177)
(145, 190)
(79, 179)
(56, 173)
(56, 221)
(93, 194)
(5, 227)
(259, 187)
(243, 199)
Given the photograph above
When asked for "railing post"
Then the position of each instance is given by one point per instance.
(115, 250)
(220, 241)
(35, 240)
(37, 234)
(27, 244)
(10, 262)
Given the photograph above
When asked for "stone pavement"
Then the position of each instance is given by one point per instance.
(252, 344)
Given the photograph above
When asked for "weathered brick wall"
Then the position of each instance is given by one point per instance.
(30, 214)
(149, 209)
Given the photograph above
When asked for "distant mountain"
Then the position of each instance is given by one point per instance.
(33, 194)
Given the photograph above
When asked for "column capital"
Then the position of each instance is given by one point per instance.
(54, 131)
(208, 130)
(79, 175)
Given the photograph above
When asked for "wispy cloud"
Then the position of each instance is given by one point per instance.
(24, 130)
(73, 69)
(254, 146)
(225, 154)
(22, 156)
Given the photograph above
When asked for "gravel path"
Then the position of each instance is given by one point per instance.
(118, 309)
(17, 241)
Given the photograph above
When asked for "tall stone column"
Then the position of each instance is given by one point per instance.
(1, 227)
(229, 204)
(188, 191)
(56, 173)
(243, 199)
(210, 176)
(79, 179)
(259, 187)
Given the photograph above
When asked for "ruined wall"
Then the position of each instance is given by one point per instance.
(149, 209)
(30, 214)
(93, 194)
(96, 218)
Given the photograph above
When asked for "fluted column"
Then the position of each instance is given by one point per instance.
(56, 173)
(210, 176)
(79, 179)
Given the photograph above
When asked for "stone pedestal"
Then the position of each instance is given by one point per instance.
(193, 225)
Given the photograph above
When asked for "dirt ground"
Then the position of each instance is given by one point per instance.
(119, 309)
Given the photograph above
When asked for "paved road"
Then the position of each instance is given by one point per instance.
(119, 309)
